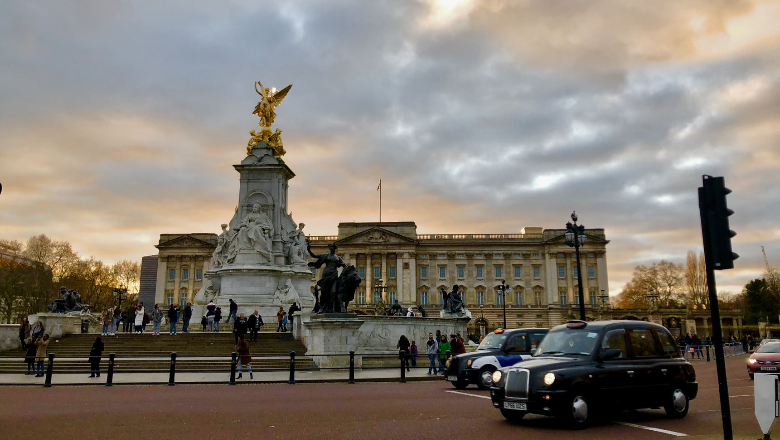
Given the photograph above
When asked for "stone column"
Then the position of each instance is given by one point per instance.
(176, 282)
(601, 271)
(403, 294)
(384, 277)
(551, 276)
(162, 278)
(191, 283)
(369, 279)
(413, 278)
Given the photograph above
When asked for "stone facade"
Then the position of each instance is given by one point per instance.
(182, 261)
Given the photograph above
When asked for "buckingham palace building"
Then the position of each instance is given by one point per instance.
(397, 263)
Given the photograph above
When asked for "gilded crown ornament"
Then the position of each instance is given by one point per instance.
(266, 111)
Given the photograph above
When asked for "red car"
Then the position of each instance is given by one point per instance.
(765, 360)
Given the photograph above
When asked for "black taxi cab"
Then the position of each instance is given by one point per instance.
(500, 348)
(585, 368)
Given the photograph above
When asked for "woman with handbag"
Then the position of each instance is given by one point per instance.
(242, 347)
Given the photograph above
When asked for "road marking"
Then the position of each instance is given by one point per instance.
(742, 395)
(468, 394)
(662, 431)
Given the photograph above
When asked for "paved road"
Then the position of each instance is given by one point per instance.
(424, 410)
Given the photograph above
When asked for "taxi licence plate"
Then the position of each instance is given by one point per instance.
(768, 368)
(452, 378)
(515, 405)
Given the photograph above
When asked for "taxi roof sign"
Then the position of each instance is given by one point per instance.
(498, 331)
(576, 324)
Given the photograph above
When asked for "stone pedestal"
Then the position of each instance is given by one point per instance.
(335, 334)
(57, 324)
(447, 315)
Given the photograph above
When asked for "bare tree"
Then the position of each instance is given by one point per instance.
(664, 278)
(696, 278)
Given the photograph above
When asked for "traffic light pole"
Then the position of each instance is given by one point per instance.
(706, 211)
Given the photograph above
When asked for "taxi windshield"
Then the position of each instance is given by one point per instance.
(568, 341)
(769, 348)
(492, 342)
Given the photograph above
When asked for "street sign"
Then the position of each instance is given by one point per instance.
(765, 392)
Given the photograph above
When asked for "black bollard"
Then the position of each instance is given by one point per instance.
(49, 371)
(403, 366)
(351, 367)
(292, 368)
(233, 368)
(708, 353)
(172, 376)
(110, 374)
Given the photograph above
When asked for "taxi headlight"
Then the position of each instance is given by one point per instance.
(469, 362)
(496, 376)
(752, 361)
(549, 378)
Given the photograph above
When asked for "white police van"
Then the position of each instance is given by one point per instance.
(501, 348)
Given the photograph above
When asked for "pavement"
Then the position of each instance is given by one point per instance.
(414, 410)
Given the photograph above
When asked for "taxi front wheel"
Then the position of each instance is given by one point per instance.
(579, 412)
(485, 378)
(677, 403)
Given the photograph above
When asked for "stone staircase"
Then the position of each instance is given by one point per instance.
(196, 352)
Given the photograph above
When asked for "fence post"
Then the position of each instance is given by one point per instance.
(110, 374)
(49, 370)
(292, 368)
(708, 353)
(403, 367)
(351, 367)
(234, 356)
(172, 376)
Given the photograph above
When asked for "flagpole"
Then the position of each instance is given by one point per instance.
(380, 200)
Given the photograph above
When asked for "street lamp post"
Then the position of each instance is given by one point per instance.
(575, 237)
(652, 296)
(379, 289)
(603, 297)
(120, 294)
(502, 288)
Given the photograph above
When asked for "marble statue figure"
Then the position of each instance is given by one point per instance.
(255, 232)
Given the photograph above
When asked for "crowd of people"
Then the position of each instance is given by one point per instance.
(438, 349)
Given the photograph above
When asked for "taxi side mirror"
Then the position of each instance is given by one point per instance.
(612, 353)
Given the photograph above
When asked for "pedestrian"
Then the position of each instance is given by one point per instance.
(403, 351)
(117, 316)
(173, 317)
(291, 313)
(37, 331)
(211, 309)
(94, 357)
(24, 332)
(697, 342)
(255, 321)
(242, 347)
(157, 316)
(410, 312)
(285, 320)
(204, 322)
(279, 316)
(413, 353)
(232, 312)
(461, 346)
(432, 350)
(187, 316)
(106, 317)
(217, 318)
(29, 357)
(130, 318)
(145, 320)
(41, 353)
(421, 310)
(240, 327)
(139, 319)
(444, 347)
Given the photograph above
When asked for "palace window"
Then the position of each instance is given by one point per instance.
(498, 255)
(393, 297)
(480, 275)
(171, 274)
(499, 271)
(361, 272)
(576, 272)
(537, 271)
(441, 256)
(461, 272)
(461, 255)
(499, 298)
(538, 296)
(442, 272)
(479, 255)
(536, 255)
(185, 274)
(563, 298)
(392, 271)
(517, 256)
(518, 272)
(519, 298)
(199, 275)
(577, 298)
(481, 298)
(377, 272)
(561, 255)
(593, 297)
(591, 255)
(183, 300)
(424, 256)
(424, 298)
(423, 272)
(361, 297)
(591, 271)
(561, 271)
(170, 298)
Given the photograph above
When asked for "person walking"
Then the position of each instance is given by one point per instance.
(94, 357)
(211, 309)
(157, 316)
(29, 357)
(279, 316)
(285, 320)
(187, 316)
(413, 353)
(291, 313)
(173, 317)
(204, 322)
(232, 311)
(41, 353)
(244, 358)
(444, 347)
(106, 318)
(139, 319)
(37, 331)
(117, 316)
(460, 347)
(255, 321)
(403, 351)
(240, 327)
(421, 310)
(130, 318)
(217, 318)
(24, 332)
(432, 350)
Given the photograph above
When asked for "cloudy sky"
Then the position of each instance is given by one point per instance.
(121, 120)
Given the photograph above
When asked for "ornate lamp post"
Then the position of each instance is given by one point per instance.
(603, 297)
(502, 288)
(575, 237)
(652, 296)
(380, 289)
(120, 294)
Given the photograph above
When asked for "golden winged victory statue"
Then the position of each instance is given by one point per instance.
(266, 111)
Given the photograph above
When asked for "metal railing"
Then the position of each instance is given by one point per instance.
(706, 352)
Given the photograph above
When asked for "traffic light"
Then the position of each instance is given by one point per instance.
(715, 222)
